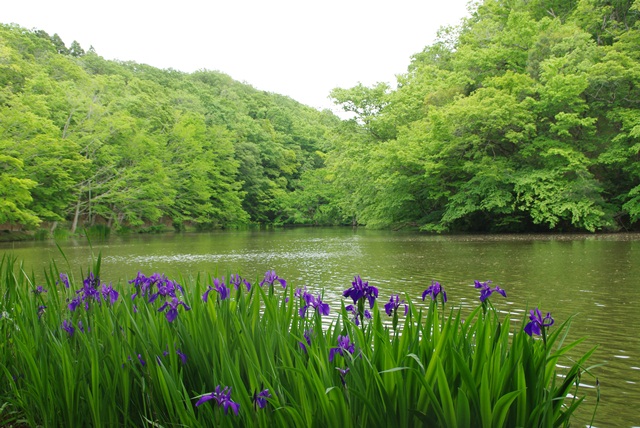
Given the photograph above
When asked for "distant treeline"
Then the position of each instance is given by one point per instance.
(525, 117)
(87, 140)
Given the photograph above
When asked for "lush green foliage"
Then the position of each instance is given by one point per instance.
(123, 365)
(525, 117)
(87, 140)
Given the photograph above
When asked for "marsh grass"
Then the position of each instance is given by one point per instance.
(129, 366)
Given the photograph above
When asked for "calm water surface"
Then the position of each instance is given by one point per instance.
(595, 278)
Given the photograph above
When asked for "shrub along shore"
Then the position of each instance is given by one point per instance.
(222, 350)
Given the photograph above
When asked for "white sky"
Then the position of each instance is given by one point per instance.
(301, 49)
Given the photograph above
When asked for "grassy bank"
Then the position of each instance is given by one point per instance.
(78, 351)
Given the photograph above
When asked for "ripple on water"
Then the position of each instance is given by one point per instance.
(200, 258)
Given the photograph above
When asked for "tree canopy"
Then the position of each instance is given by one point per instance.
(84, 140)
(525, 117)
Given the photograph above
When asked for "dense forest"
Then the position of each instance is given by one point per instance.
(86, 140)
(525, 117)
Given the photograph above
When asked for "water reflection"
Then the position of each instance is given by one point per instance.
(593, 277)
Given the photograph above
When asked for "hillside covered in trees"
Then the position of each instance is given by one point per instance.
(83, 139)
(525, 117)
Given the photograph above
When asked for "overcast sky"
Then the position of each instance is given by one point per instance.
(298, 48)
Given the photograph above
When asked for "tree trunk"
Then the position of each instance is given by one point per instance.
(66, 125)
(74, 225)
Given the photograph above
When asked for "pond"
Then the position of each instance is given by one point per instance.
(595, 278)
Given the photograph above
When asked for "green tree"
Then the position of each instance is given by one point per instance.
(75, 49)
(522, 118)
(15, 194)
(59, 45)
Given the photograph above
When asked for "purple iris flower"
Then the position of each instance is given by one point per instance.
(73, 304)
(486, 290)
(91, 281)
(142, 284)
(538, 323)
(394, 304)
(39, 290)
(307, 338)
(159, 286)
(205, 296)
(220, 287)
(270, 277)
(237, 281)
(344, 344)
(90, 291)
(109, 293)
(182, 356)
(311, 301)
(173, 304)
(68, 327)
(260, 398)
(343, 374)
(351, 308)
(222, 397)
(41, 310)
(65, 279)
(164, 287)
(433, 290)
(361, 290)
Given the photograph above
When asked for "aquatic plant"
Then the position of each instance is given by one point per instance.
(260, 398)
(344, 345)
(222, 397)
(361, 292)
(433, 291)
(394, 303)
(315, 302)
(391, 309)
(486, 291)
(270, 277)
(219, 286)
(285, 367)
